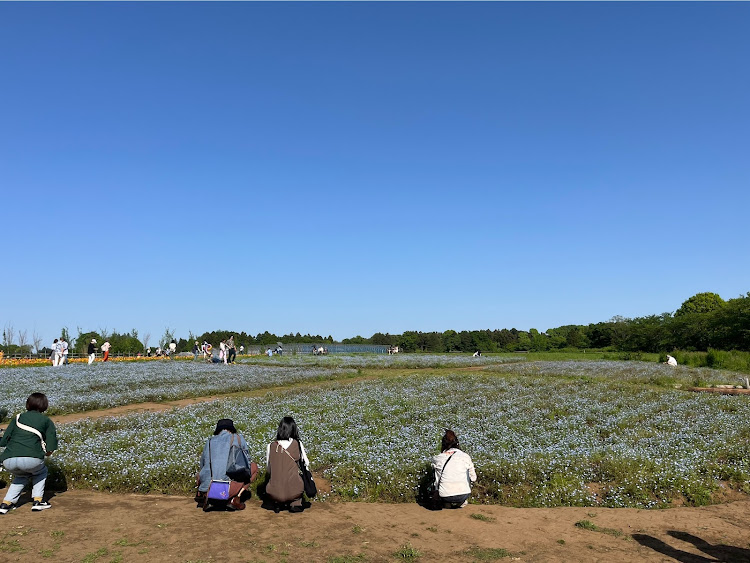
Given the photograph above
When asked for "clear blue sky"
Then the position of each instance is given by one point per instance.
(349, 168)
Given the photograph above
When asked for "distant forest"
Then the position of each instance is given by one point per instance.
(703, 321)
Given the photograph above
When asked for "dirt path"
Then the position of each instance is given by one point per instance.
(103, 527)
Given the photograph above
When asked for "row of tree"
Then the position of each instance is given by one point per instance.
(704, 321)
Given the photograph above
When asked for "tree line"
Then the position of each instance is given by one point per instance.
(704, 321)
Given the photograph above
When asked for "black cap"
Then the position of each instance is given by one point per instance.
(225, 424)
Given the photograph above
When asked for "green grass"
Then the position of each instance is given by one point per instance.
(487, 553)
(482, 517)
(346, 558)
(408, 553)
(588, 525)
(99, 553)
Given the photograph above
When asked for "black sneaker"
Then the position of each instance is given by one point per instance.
(5, 507)
(40, 505)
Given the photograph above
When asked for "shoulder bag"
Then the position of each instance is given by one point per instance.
(307, 479)
(238, 464)
(435, 502)
(308, 482)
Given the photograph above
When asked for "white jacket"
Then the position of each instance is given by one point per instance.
(459, 472)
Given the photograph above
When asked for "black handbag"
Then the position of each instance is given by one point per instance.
(307, 479)
(238, 464)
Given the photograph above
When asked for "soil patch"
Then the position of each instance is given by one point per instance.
(92, 526)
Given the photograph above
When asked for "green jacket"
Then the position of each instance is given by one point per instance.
(22, 443)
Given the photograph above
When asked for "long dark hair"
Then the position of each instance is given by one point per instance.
(450, 440)
(287, 429)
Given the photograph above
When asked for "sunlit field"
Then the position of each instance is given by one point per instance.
(596, 433)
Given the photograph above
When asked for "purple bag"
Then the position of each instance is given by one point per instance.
(218, 490)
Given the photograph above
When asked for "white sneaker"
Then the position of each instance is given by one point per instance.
(5, 507)
(40, 505)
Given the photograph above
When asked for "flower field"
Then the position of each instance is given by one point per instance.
(80, 387)
(373, 361)
(572, 433)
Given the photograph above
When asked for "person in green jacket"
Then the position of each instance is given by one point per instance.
(25, 450)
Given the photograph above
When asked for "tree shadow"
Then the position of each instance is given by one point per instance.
(717, 552)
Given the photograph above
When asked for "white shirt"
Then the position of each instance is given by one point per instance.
(106, 346)
(458, 475)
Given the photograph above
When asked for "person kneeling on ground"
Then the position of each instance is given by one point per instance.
(454, 472)
(214, 467)
(285, 486)
(28, 439)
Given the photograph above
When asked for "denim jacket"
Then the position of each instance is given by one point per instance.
(219, 457)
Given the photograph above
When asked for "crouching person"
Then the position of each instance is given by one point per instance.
(284, 456)
(454, 472)
(225, 490)
(29, 438)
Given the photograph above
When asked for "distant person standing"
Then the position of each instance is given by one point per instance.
(53, 355)
(196, 349)
(231, 351)
(105, 348)
(64, 351)
(242, 349)
(92, 351)
(172, 349)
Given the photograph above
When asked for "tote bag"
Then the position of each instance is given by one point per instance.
(238, 464)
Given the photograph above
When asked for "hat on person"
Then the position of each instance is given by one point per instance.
(93, 340)
(225, 424)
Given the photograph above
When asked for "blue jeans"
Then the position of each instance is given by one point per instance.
(23, 469)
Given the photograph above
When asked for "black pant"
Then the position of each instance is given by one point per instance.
(232, 355)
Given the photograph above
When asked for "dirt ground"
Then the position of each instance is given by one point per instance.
(88, 526)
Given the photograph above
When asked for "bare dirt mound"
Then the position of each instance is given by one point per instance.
(86, 526)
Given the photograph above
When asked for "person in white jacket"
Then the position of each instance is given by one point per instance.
(454, 472)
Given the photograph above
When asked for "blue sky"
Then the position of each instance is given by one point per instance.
(349, 168)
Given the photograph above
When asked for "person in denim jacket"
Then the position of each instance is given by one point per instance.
(220, 443)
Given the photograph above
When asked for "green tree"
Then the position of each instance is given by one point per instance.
(83, 340)
(451, 341)
(408, 341)
(700, 303)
